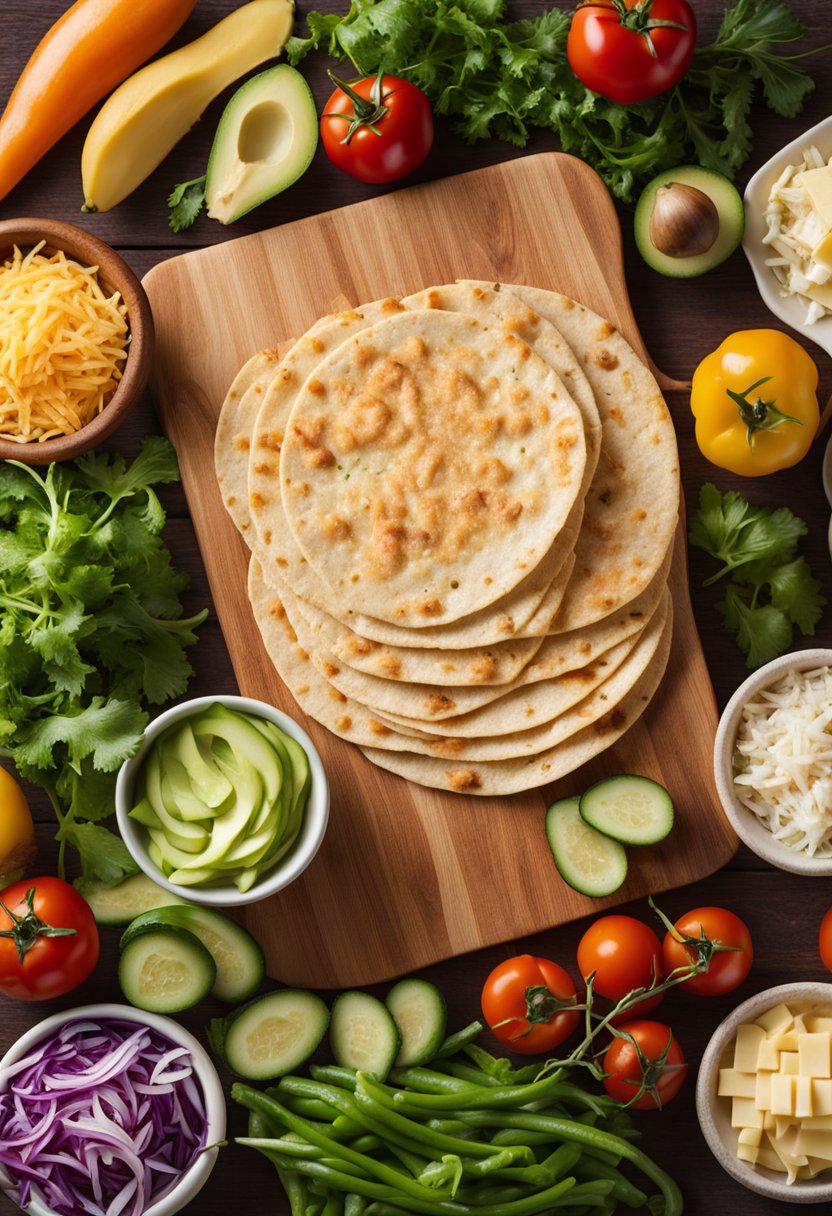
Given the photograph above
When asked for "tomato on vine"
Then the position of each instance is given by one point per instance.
(719, 939)
(644, 1065)
(378, 129)
(624, 954)
(48, 939)
(529, 1004)
(630, 50)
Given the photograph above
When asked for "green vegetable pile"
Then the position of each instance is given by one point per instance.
(497, 79)
(91, 631)
(466, 1135)
(771, 589)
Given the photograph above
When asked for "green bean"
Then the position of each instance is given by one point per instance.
(530, 1205)
(469, 1072)
(430, 1081)
(345, 1126)
(509, 1135)
(455, 1042)
(295, 1189)
(302, 1150)
(333, 1074)
(452, 1127)
(479, 1099)
(475, 1193)
(334, 1205)
(579, 1133)
(623, 1189)
(305, 1107)
(366, 1143)
(354, 1205)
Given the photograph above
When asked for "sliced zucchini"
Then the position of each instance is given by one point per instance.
(363, 1034)
(419, 1011)
(165, 969)
(590, 862)
(238, 958)
(274, 1034)
(122, 904)
(634, 810)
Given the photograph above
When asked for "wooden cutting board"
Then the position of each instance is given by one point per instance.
(406, 875)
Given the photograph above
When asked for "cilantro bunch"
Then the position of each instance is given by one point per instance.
(91, 631)
(498, 79)
(771, 589)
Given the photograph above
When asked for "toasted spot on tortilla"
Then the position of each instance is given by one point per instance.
(461, 779)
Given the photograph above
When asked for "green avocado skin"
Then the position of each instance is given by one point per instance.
(265, 140)
(728, 202)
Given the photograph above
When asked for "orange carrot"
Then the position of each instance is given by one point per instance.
(86, 53)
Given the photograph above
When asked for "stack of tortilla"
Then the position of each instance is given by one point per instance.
(460, 507)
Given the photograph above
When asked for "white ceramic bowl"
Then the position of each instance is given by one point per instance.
(747, 826)
(288, 868)
(715, 1112)
(193, 1180)
(827, 471)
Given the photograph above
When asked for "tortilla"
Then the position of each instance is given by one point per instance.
(428, 465)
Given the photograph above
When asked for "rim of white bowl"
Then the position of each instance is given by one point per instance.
(810, 1190)
(749, 829)
(827, 471)
(287, 870)
(197, 1174)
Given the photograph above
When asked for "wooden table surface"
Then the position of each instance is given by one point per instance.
(681, 322)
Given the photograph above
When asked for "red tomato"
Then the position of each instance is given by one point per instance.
(726, 968)
(656, 1063)
(522, 1003)
(825, 942)
(625, 954)
(48, 922)
(629, 50)
(378, 129)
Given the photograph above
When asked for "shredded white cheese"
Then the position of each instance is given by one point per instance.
(783, 760)
(795, 230)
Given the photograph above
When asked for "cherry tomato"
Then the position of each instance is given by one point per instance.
(629, 50)
(726, 968)
(378, 129)
(522, 1003)
(625, 954)
(825, 942)
(656, 1063)
(49, 923)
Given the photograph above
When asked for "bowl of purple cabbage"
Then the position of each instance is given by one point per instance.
(107, 1111)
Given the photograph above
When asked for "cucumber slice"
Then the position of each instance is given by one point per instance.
(165, 970)
(275, 1034)
(363, 1034)
(122, 904)
(590, 862)
(634, 810)
(419, 1011)
(237, 956)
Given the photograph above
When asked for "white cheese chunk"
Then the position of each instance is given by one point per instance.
(815, 1054)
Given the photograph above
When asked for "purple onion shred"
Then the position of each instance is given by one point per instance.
(102, 1119)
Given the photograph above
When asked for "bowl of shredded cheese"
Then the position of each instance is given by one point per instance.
(76, 340)
(773, 762)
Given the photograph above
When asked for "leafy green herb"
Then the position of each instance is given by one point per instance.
(497, 79)
(771, 589)
(186, 202)
(91, 632)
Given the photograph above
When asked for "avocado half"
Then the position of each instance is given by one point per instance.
(265, 140)
(728, 228)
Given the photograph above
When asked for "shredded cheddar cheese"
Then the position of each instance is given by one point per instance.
(62, 345)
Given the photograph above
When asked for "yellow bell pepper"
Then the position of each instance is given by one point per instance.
(755, 403)
(17, 833)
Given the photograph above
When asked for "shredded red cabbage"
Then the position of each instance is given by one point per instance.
(103, 1118)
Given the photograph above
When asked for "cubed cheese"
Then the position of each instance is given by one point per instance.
(733, 1084)
(782, 1095)
(768, 1057)
(815, 1144)
(750, 1135)
(749, 1038)
(814, 1023)
(744, 1113)
(815, 1055)
(762, 1090)
(821, 1097)
(803, 1097)
(818, 185)
(789, 1061)
(784, 1042)
(818, 1123)
(773, 1021)
(748, 1152)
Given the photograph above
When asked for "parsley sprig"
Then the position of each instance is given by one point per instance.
(499, 79)
(771, 588)
(91, 632)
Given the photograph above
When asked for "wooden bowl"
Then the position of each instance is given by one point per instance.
(114, 275)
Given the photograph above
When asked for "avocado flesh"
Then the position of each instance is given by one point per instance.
(728, 203)
(265, 140)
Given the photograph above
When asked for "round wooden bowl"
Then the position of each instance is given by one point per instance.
(114, 275)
